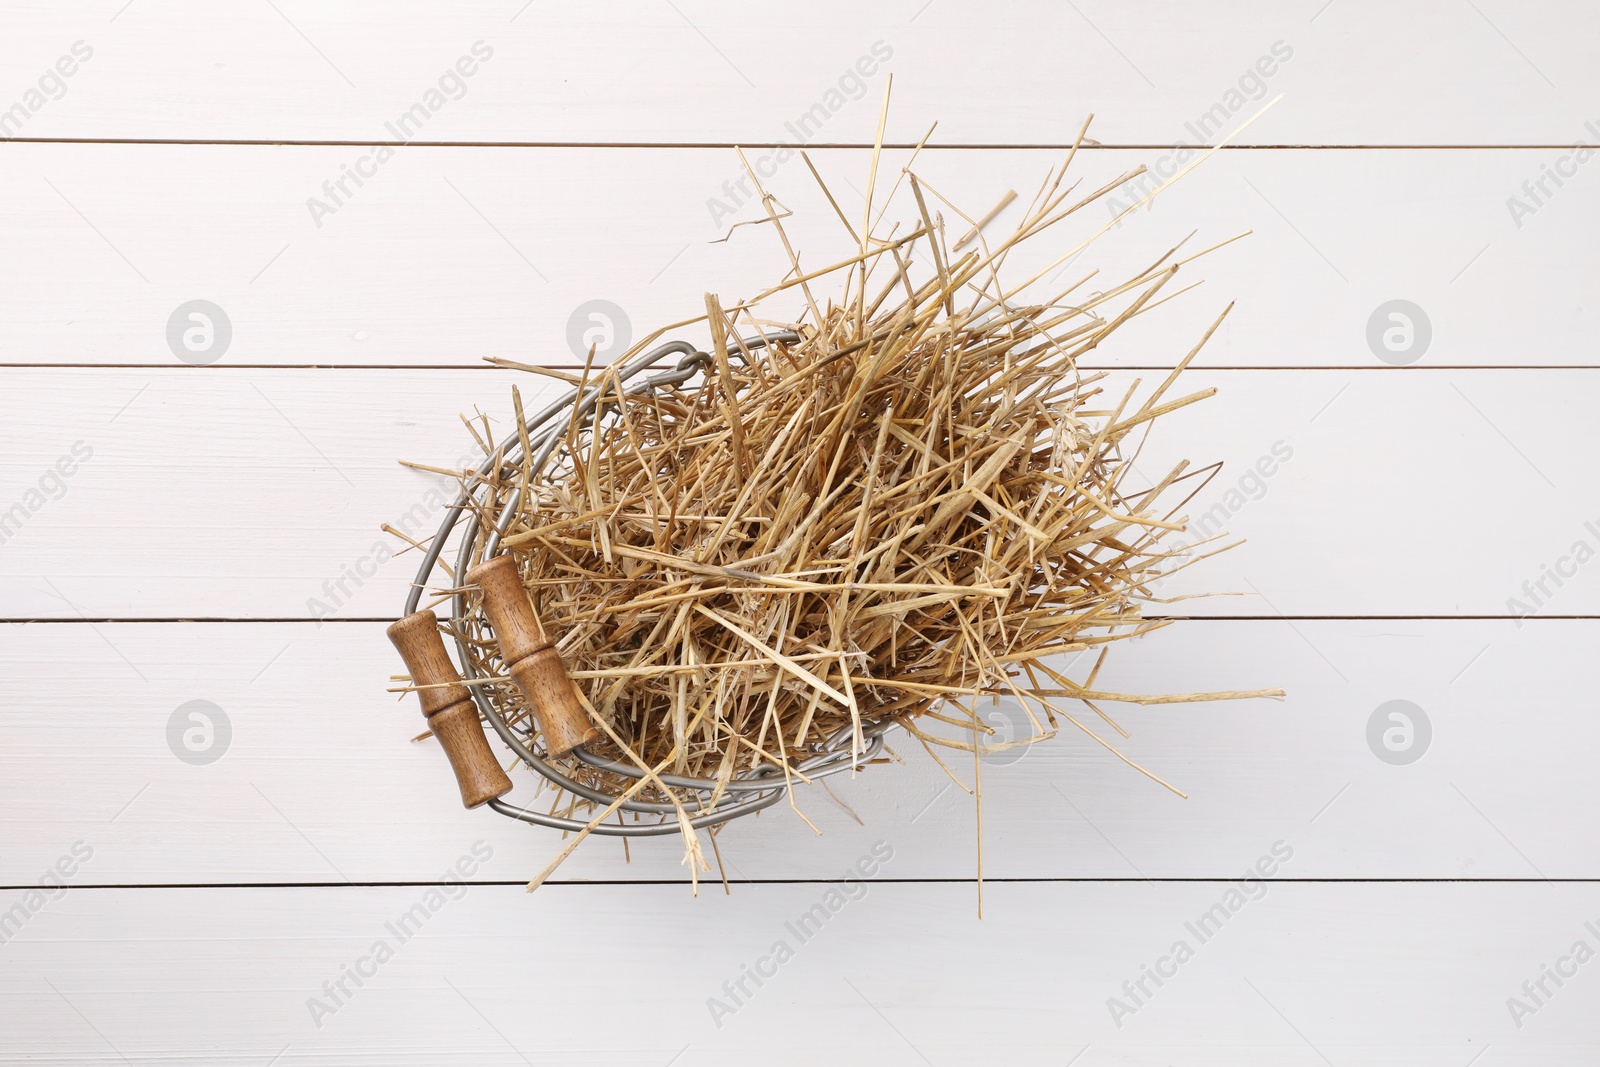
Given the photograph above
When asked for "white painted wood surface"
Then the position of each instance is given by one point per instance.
(1304, 975)
(1367, 72)
(1418, 513)
(259, 494)
(319, 782)
(448, 255)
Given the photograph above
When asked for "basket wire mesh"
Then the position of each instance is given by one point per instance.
(485, 510)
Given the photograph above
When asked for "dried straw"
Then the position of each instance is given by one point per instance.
(920, 505)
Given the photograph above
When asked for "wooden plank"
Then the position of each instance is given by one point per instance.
(259, 494)
(1362, 73)
(1405, 913)
(1303, 974)
(315, 778)
(444, 256)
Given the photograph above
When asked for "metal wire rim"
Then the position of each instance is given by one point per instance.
(750, 791)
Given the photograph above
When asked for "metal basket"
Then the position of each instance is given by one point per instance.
(487, 495)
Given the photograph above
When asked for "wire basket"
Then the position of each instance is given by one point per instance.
(484, 512)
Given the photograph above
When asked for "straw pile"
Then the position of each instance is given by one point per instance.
(915, 509)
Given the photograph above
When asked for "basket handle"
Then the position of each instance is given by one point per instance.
(449, 710)
(530, 658)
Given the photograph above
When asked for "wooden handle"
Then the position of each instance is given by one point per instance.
(530, 659)
(451, 715)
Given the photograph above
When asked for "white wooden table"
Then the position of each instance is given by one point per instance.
(295, 885)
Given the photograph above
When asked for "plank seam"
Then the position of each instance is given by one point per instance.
(1194, 368)
(386, 619)
(960, 146)
(1016, 880)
